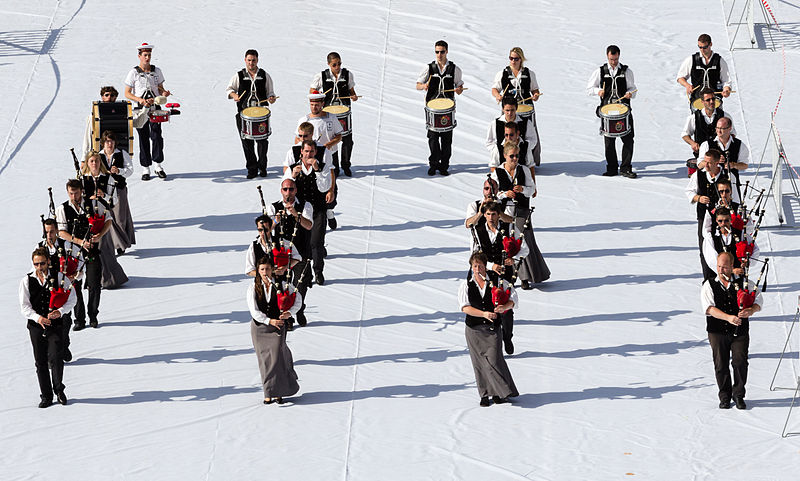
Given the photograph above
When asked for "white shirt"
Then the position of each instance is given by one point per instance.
(685, 70)
(316, 83)
(709, 220)
(127, 162)
(710, 253)
(491, 140)
(692, 187)
(250, 258)
(256, 312)
(457, 82)
(324, 176)
(141, 82)
(325, 129)
(689, 126)
(233, 85)
(516, 82)
(25, 306)
(523, 248)
(528, 188)
(593, 86)
(744, 152)
(707, 293)
(463, 294)
(308, 211)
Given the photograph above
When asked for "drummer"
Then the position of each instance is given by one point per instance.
(251, 87)
(613, 83)
(495, 133)
(519, 82)
(440, 79)
(701, 124)
(339, 88)
(705, 69)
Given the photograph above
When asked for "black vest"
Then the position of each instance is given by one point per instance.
(494, 250)
(483, 303)
(245, 86)
(91, 185)
(725, 300)
(78, 225)
(296, 154)
(284, 230)
(500, 135)
(447, 81)
(720, 246)
(341, 86)
(269, 306)
(707, 188)
(607, 83)
(307, 190)
(118, 161)
(505, 183)
(524, 83)
(732, 155)
(699, 71)
(40, 295)
(704, 132)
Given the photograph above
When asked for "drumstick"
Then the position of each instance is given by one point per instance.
(732, 91)
(531, 97)
(453, 90)
(350, 96)
(503, 93)
(267, 100)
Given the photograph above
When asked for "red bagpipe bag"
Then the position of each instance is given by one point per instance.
(745, 298)
(68, 265)
(58, 297)
(96, 223)
(286, 300)
(281, 256)
(737, 222)
(511, 245)
(744, 249)
(500, 296)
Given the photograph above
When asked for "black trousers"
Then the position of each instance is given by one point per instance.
(627, 152)
(441, 147)
(318, 239)
(728, 349)
(345, 151)
(92, 282)
(302, 279)
(253, 163)
(48, 351)
(151, 132)
(507, 321)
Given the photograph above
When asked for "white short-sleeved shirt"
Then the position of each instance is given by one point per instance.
(141, 82)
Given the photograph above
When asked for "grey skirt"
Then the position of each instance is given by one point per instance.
(113, 275)
(121, 232)
(274, 360)
(533, 267)
(486, 353)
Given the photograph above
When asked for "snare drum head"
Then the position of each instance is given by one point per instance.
(255, 112)
(614, 109)
(698, 103)
(441, 104)
(336, 109)
(524, 108)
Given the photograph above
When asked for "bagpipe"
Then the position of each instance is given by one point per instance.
(287, 292)
(746, 298)
(71, 262)
(744, 249)
(281, 255)
(58, 296)
(500, 296)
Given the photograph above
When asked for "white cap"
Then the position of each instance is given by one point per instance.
(316, 95)
(145, 46)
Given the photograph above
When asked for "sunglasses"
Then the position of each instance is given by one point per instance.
(701, 47)
(442, 52)
(709, 100)
(287, 189)
(724, 191)
(37, 264)
(513, 156)
(336, 64)
(513, 59)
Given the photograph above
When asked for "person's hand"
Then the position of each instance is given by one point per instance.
(511, 194)
(236, 97)
(166, 93)
(735, 320)
(329, 197)
(459, 90)
(115, 170)
(54, 314)
(738, 271)
(296, 170)
(689, 90)
(746, 312)
(497, 268)
(271, 99)
(536, 96)
(489, 315)
(43, 321)
(627, 95)
(508, 262)
(500, 309)
(285, 315)
(148, 102)
(703, 199)
(291, 210)
(517, 188)
(694, 145)
(277, 322)
(600, 93)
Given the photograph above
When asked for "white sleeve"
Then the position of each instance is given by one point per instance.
(337, 126)
(530, 135)
(707, 223)
(491, 137)
(514, 297)
(61, 217)
(528, 187)
(159, 76)
(691, 187)
(316, 82)
(423, 75)
(685, 70)
(72, 299)
(630, 83)
(523, 248)
(689, 127)
(701, 152)
(127, 164)
(497, 83)
(130, 79)
(255, 312)
(250, 260)
(351, 83)
(593, 86)
(324, 178)
(706, 296)
(472, 209)
(298, 303)
(270, 86)
(744, 154)
(25, 306)
(457, 77)
(463, 297)
(233, 85)
(87, 137)
(709, 253)
(308, 212)
(289, 159)
(759, 298)
(534, 83)
(724, 76)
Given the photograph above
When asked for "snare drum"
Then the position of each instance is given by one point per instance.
(255, 123)
(440, 115)
(342, 113)
(616, 120)
(159, 116)
(697, 104)
(525, 110)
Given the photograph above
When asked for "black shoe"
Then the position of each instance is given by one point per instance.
(161, 174)
(537, 162)
(444, 172)
(280, 400)
(45, 403)
(725, 404)
(509, 347)
(526, 285)
(289, 326)
(499, 400)
(120, 252)
(251, 175)
(336, 171)
(301, 319)
(67, 355)
(629, 174)
(319, 278)
(332, 223)
(740, 404)
(93, 323)
(431, 170)
(145, 176)
(79, 326)
(62, 398)
(347, 171)
(485, 401)
(262, 173)
(609, 174)
(270, 401)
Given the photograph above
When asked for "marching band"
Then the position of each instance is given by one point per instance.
(83, 234)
